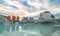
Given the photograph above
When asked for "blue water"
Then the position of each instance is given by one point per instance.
(30, 30)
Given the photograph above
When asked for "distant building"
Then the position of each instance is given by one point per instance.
(27, 18)
(8, 17)
(46, 15)
(30, 18)
(17, 19)
(12, 18)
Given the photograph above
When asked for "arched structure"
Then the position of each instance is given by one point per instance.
(43, 13)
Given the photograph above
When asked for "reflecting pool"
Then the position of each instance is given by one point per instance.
(30, 30)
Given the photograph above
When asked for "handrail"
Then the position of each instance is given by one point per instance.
(6, 20)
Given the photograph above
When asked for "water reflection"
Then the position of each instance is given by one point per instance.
(29, 30)
(18, 32)
(56, 33)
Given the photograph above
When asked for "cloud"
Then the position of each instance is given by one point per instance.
(28, 7)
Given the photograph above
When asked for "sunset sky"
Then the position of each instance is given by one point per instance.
(29, 7)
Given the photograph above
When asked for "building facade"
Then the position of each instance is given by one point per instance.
(12, 18)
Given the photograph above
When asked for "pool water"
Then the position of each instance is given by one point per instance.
(30, 30)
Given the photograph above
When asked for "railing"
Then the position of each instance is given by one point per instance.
(5, 23)
(4, 20)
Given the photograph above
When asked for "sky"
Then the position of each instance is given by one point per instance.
(29, 7)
